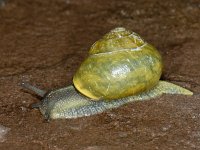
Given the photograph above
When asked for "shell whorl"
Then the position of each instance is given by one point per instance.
(117, 39)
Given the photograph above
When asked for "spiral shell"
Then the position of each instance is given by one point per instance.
(119, 65)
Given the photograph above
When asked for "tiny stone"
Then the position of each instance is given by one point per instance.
(123, 134)
(3, 131)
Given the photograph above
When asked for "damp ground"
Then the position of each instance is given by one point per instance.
(44, 42)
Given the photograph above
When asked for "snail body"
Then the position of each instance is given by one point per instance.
(121, 68)
(67, 102)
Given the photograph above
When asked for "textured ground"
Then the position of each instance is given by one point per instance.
(44, 42)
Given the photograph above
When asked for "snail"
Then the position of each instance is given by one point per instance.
(121, 68)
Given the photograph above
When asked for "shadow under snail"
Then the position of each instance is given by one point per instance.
(121, 68)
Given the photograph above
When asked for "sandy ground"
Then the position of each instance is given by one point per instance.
(44, 42)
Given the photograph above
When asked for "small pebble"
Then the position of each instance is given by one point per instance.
(123, 134)
(3, 131)
(2, 3)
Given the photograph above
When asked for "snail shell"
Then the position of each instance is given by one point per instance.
(119, 65)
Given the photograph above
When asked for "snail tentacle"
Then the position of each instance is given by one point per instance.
(36, 90)
(36, 105)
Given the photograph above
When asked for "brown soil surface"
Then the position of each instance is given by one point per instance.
(44, 41)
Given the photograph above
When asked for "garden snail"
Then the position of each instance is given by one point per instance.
(121, 68)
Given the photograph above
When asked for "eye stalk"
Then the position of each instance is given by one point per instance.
(36, 90)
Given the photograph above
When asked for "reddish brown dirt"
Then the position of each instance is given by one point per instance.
(44, 42)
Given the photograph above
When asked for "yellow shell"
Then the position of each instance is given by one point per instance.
(119, 65)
